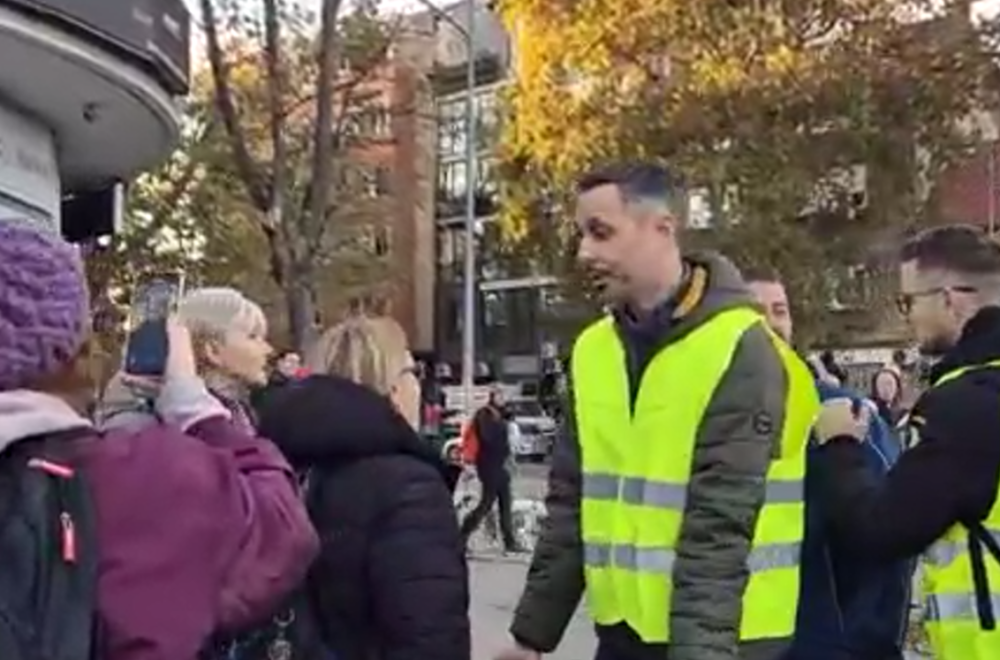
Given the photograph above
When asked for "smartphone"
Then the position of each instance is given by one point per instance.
(147, 345)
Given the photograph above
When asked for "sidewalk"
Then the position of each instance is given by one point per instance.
(496, 586)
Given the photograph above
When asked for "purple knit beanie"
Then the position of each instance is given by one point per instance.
(44, 306)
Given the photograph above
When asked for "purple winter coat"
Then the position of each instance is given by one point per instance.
(200, 528)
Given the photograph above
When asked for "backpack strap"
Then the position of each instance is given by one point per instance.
(980, 537)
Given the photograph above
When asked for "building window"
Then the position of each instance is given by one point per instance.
(486, 120)
(370, 124)
(376, 181)
(451, 128)
(704, 212)
(380, 123)
(452, 182)
(378, 240)
(699, 209)
(494, 309)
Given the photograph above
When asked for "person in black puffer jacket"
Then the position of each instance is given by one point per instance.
(391, 582)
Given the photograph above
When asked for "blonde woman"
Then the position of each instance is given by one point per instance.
(230, 336)
(229, 333)
(391, 582)
(228, 352)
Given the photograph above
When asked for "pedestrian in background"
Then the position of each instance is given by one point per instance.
(490, 426)
(196, 525)
(287, 369)
(391, 581)
(886, 391)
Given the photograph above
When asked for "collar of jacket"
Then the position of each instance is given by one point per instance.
(690, 292)
(979, 343)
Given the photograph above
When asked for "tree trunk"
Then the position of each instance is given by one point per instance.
(300, 301)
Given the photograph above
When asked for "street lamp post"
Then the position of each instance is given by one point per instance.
(469, 284)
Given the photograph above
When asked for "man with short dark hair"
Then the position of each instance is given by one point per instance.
(675, 496)
(847, 604)
(940, 499)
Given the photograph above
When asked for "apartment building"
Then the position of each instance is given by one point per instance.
(517, 307)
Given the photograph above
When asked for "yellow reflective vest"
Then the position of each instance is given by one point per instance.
(636, 464)
(951, 613)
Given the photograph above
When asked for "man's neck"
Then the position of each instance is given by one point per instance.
(653, 297)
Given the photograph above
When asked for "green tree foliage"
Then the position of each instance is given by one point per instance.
(773, 110)
(299, 98)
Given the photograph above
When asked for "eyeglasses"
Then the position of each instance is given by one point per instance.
(904, 301)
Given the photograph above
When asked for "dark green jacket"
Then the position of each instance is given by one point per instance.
(740, 433)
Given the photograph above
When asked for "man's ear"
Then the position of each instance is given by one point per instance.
(666, 224)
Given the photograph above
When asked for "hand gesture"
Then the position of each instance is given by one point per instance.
(840, 417)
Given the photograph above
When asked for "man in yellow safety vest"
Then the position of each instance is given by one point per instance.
(675, 497)
(940, 499)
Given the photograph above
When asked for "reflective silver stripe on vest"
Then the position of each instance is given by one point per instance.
(661, 560)
(952, 607)
(944, 552)
(672, 495)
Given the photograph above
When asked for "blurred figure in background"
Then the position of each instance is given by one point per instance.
(164, 533)
(391, 580)
(493, 461)
(887, 392)
(287, 369)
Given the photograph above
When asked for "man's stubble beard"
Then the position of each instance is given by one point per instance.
(936, 347)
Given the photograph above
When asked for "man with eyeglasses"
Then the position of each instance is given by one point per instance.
(940, 499)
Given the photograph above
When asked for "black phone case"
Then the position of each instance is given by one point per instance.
(147, 349)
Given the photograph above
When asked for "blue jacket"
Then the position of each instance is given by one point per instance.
(848, 608)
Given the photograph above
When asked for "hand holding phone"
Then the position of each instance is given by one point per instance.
(181, 361)
(148, 343)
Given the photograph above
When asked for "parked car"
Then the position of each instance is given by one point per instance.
(533, 431)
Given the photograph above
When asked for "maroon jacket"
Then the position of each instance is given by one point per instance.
(199, 531)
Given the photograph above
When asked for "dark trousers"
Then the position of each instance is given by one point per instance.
(452, 475)
(496, 490)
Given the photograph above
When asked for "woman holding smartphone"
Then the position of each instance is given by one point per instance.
(190, 526)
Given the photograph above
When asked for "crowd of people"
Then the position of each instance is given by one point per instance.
(713, 494)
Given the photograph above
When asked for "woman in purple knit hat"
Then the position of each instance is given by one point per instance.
(197, 525)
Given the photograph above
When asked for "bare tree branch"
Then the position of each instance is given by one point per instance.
(346, 91)
(226, 106)
(322, 162)
(275, 222)
(275, 101)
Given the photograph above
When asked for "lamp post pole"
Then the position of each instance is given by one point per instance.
(469, 283)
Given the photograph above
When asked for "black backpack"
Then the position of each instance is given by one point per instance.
(48, 563)
(294, 633)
